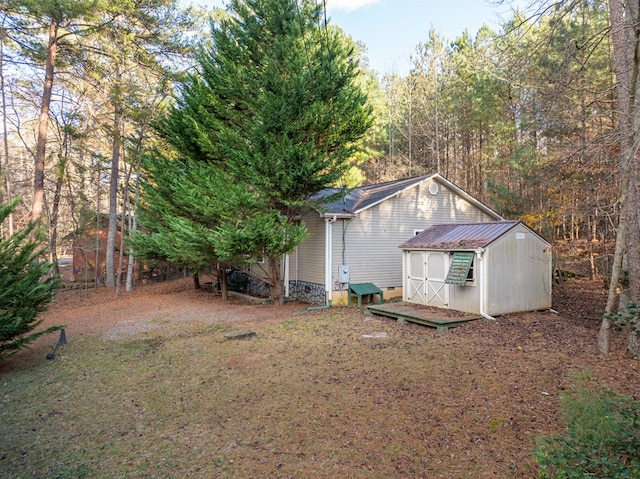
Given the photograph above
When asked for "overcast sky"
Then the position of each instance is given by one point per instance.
(391, 29)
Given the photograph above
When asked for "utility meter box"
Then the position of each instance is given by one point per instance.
(343, 273)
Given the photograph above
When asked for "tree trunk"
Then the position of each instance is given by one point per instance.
(118, 276)
(8, 196)
(123, 222)
(133, 226)
(631, 144)
(276, 291)
(43, 122)
(113, 185)
(133, 220)
(625, 52)
(633, 345)
(98, 230)
(55, 210)
(222, 278)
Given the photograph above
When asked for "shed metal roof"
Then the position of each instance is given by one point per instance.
(459, 236)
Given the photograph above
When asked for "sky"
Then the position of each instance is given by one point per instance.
(392, 29)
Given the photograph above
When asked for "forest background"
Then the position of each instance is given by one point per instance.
(532, 119)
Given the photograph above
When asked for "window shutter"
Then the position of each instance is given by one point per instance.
(459, 269)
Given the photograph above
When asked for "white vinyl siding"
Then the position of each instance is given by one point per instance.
(373, 237)
(369, 242)
(308, 264)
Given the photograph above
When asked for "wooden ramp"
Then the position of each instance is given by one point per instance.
(442, 319)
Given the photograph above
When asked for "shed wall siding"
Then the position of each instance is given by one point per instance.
(371, 240)
(518, 275)
(465, 298)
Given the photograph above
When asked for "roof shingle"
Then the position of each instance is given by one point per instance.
(363, 197)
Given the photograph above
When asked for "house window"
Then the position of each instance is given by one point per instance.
(417, 232)
(461, 268)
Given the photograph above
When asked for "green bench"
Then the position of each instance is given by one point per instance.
(365, 289)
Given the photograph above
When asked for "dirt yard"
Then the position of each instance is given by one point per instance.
(311, 397)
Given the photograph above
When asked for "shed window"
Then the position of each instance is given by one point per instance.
(461, 268)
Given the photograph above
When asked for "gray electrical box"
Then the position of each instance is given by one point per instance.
(343, 273)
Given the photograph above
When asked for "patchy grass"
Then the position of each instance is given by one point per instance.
(306, 397)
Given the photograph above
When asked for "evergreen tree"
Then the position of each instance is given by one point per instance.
(176, 215)
(272, 117)
(24, 289)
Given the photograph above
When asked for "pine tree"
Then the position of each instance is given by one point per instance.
(25, 288)
(272, 117)
(176, 222)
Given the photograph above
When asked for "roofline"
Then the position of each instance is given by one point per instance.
(534, 232)
(418, 180)
(477, 249)
(448, 250)
(480, 248)
(344, 214)
(337, 215)
(466, 196)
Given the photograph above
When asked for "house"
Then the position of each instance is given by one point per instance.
(355, 239)
(482, 268)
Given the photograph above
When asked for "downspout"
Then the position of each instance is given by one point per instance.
(328, 247)
(286, 277)
(328, 263)
(481, 278)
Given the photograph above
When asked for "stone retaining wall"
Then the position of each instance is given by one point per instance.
(306, 292)
(302, 291)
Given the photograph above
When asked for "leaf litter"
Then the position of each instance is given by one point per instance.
(148, 386)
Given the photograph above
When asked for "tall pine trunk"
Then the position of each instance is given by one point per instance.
(8, 196)
(110, 280)
(133, 226)
(626, 45)
(43, 122)
(55, 209)
(124, 223)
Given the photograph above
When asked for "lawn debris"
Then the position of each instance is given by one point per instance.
(379, 335)
(243, 335)
(62, 340)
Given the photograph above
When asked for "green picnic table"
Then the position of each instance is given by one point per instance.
(365, 289)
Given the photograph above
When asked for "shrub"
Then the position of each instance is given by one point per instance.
(628, 319)
(603, 437)
(25, 287)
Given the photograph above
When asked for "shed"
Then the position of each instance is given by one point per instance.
(90, 247)
(489, 268)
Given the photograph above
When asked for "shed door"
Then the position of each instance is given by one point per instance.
(437, 290)
(416, 277)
